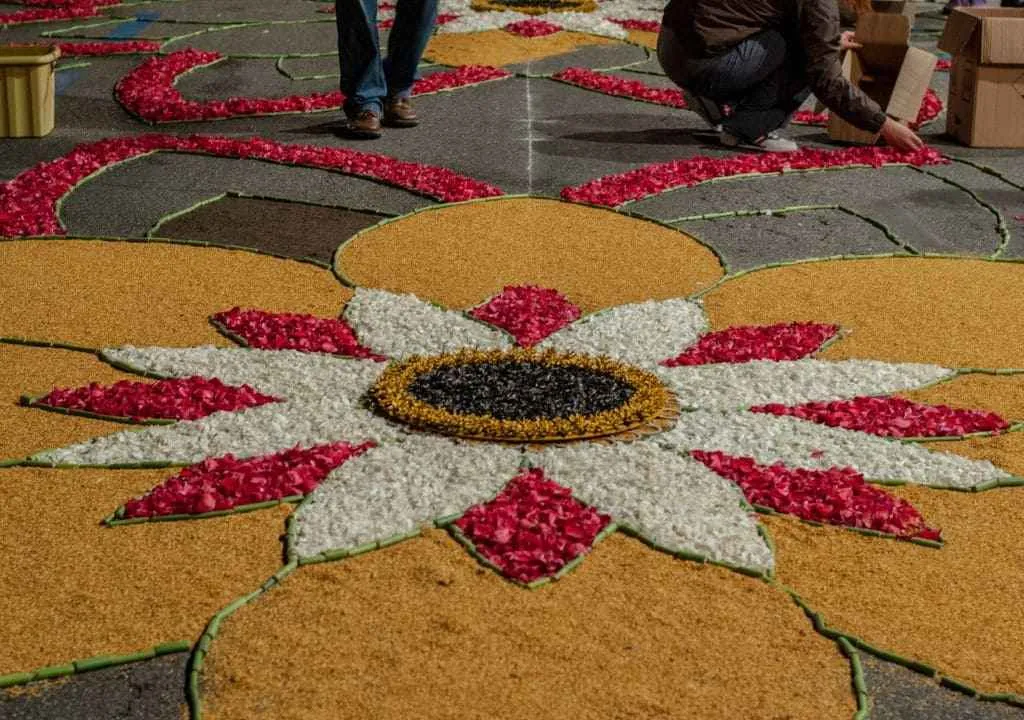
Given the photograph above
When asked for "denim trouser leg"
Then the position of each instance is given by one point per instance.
(362, 73)
(761, 78)
(414, 23)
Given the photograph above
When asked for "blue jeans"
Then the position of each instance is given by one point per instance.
(366, 78)
(761, 78)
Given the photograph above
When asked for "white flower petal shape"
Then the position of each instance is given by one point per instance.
(285, 373)
(255, 431)
(402, 325)
(640, 333)
(800, 444)
(671, 500)
(735, 386)
(395, 488)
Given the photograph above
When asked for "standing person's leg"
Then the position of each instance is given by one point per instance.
(362, 73)
(414, 24)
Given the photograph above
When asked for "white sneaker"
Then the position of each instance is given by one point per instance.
(769, 143)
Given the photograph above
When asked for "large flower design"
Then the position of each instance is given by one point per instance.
(520, 389)
(607, 18)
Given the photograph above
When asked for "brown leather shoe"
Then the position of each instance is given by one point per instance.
(398, 112)
(363, 124)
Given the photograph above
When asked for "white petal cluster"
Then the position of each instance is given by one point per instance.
(669, 499)
(594, 23)
(640, 333)
(801, 444)
(729, 386)
(393, 489)
(403, 325)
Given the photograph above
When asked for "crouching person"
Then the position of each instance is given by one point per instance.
(746, 66)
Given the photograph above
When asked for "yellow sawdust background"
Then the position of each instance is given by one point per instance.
(463, 254)
(631, 633)
(74, 589)
(98, 294)
(497, 47)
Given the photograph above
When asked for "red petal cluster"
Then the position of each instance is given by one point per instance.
(527, 312)
(613, 190)
(944, 64)
(148, 91)
(931, 106)
(620, 87)
(533, 528)
(892, 417)
(784, 341)
(176, 399)
(28, 202)
(227, 482)
(52, 10)
(96, 49)
(532, 27)
(292, 331)
(837, 496)
(644, 25)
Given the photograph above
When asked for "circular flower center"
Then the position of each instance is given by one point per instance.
(522, 396)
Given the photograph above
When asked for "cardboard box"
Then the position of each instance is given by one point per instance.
(986, 82)
(27, 90)
(888, 70)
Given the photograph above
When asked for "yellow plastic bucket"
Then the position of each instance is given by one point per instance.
(27, 90)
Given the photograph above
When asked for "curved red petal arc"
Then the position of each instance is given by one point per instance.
(836, 496)
(620, 87)
(188, 398)
(533, 528)
(226, 483)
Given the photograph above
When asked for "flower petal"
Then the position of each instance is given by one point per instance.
(798, 444)
(284, 373)
(671, 500)
(639, 333)
(256, 431)
(291, 331)
(527, 312)
(402, 325)
(727, 386)
(782, 341)
(393, 489)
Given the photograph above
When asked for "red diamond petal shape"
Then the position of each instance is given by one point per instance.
(533, 528)
(527, 312)
(836, 496)
(892, 417)
(292, 331)
(532, 28)
(175, 399)
(784, 341)
(226, 482)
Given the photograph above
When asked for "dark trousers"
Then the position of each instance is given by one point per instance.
(761, 79)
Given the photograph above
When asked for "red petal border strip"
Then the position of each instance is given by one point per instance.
(99, 49)
(226, 483)
(837, 496)
(613, 190)
(174, 399)
(292, 331)
(620, 87)
(783, 341)
(527, 312)
(148, 91)
(892, 417)
(28, 202)
(533, 528)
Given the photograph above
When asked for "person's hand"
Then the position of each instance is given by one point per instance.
(900, 136)
(848, 41)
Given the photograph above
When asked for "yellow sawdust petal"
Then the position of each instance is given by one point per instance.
(75, 589)
(460, 255)
(630, 633)
(35, 371)
(956, 609)
(497, 47)
(1005, 451)
(954, 312)
(97, 294)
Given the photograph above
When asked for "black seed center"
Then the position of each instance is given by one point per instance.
(520, 390)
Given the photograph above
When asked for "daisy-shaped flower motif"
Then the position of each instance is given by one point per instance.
(607, 18)
(638, 410)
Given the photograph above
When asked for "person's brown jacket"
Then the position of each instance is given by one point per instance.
(710, 27)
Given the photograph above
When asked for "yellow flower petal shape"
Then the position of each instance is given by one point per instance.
(497, 47)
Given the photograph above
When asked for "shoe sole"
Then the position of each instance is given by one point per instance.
(397, 123)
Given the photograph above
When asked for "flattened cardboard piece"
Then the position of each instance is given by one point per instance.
(986, 90)
(887, 70)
